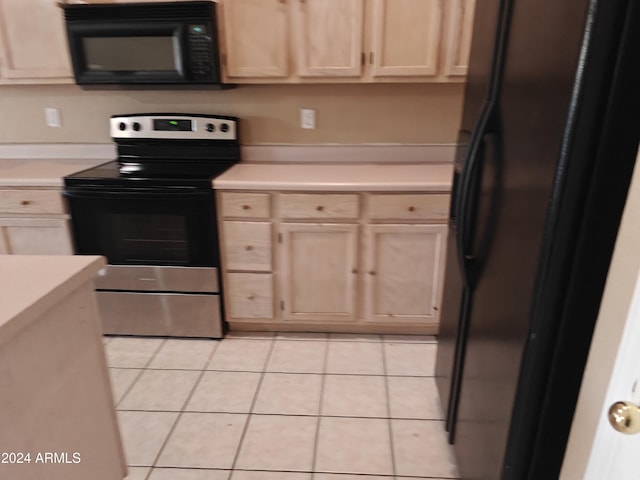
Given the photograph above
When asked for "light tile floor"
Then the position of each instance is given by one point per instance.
(280, 407)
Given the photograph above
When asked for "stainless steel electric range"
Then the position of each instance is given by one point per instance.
(152, 214)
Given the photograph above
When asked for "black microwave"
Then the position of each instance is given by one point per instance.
(156, 43)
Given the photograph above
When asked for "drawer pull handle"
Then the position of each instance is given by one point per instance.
(246, 207)
(320, 208)
(25, 202)
(248, 248)
(412, 209)
(371, 272)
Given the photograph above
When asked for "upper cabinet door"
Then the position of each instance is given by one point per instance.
(257, 39)
(328, 37)
(33, 40)
(406, 37)
(460, 24)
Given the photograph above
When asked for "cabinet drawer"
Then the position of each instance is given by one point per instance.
(245, 205)
(31, 201)
(247, 246)
(409, 207)
(250, 295)
(320, 205)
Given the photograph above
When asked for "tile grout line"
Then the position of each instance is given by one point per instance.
(323, 382)
(388, 398)
(179, 416)
(251, 408)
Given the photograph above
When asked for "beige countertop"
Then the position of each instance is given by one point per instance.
(330, 177)
(31, 284)
(41, 172)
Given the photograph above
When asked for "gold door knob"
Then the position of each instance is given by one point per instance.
(625, 417)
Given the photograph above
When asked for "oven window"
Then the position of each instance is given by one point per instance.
(150, 238)
(130, 54)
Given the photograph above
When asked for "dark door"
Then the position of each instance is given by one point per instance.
(145, 226)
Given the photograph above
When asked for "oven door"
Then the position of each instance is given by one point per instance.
(145, 226)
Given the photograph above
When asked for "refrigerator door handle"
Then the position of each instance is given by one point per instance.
(467, 180)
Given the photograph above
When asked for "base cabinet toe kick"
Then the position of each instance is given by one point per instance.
(333, 261)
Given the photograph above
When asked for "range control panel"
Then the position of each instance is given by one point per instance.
(174, 126)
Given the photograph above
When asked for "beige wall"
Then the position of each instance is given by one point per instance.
(346, 114)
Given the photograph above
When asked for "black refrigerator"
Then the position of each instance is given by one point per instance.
(546, 149)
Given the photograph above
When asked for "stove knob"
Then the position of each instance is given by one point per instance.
(122, 126)
(210, 127)
(136, 126)
(224, 127)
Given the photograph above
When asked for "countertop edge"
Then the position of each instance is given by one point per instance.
(86, 269)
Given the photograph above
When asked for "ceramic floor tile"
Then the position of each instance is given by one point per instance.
(143, 434)
(421, 449)
(185, 354)
(225, 392)
(346, 476)
(240, 355)
(355, 357)
(294, 356)
(129, 352)
(165, 390)
(121, 380)
(354, 445)
(203, 440)
(354, 337)
(410, 358)
(301, 336)
(249, 475)
(409, 339)
(413, 397)
(137, 473)
(289, 394)
(188, 474)
(354, 396)
(274, 442)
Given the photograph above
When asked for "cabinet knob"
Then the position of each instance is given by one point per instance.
(371, 272)
(412, 209)
(246, 207)
(320, 208)
(25, 202)
(353, 270)
(248, 248)
(251, 297)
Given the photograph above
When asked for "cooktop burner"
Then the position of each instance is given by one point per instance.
(164, 149)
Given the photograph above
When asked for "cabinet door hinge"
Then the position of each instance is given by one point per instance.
(224, 59)
(371, 56)
(363, 58)
(281, 304)
(279, 237)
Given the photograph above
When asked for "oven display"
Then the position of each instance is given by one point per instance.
(172, 125)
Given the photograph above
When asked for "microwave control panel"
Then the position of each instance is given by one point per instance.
(200, 51)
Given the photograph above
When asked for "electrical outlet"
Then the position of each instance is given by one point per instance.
(52, 116)
(308, 118)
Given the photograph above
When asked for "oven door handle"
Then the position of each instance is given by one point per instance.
(148, 193)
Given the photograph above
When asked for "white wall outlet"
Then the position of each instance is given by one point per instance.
(52, 116)
(307, 118)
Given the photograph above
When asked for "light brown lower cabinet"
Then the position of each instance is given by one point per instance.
(356, 262)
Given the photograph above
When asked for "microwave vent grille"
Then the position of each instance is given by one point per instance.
(133, 12)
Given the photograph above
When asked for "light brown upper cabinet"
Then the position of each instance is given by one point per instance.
(256, 34)
(460, 29)
(319, 41)
(328, 37)
(33, 45)
(405, 37)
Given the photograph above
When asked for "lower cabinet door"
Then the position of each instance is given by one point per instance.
(35, 236)
(403, 273)
(318, 272)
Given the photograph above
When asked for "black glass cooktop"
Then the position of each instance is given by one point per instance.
(149, 174)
